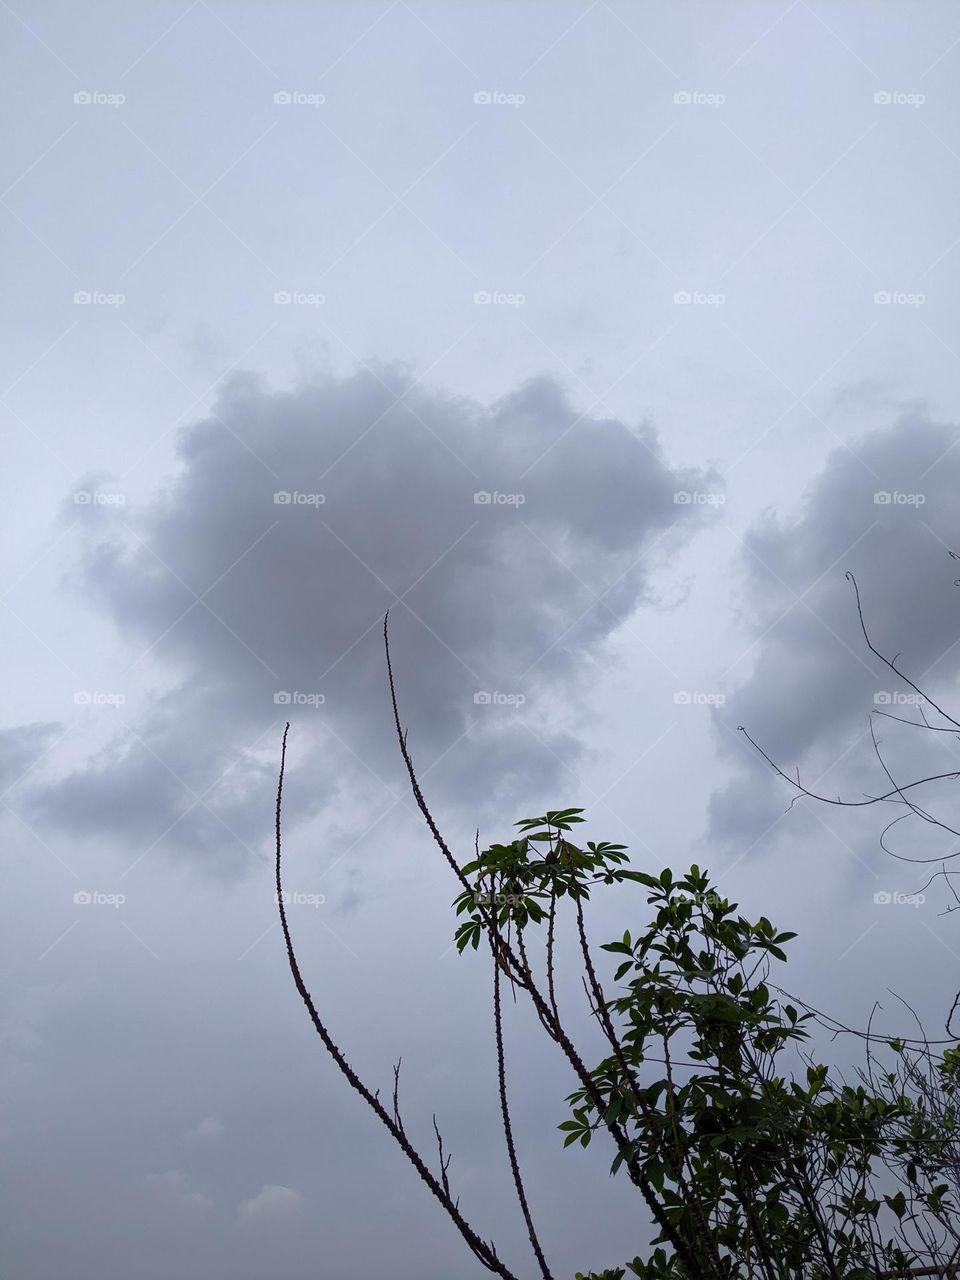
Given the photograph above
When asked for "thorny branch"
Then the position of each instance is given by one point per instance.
(484, 1252)
(667, 1228)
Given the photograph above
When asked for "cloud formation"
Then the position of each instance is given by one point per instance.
(885, 509)
(21, 748)
(272, 1206)
(507, 541)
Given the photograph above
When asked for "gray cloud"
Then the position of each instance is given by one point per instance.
(272, 1206)
(125, 1028)
(175, 1190)
(885, 509)
(243, 597)
(20, 749)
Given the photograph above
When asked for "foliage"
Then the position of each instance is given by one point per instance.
(752, 1158)
(763, 1161)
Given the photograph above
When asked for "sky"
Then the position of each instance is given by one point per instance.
(598, 343)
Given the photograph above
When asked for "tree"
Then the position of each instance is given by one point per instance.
(752, 1158)
(908, 797)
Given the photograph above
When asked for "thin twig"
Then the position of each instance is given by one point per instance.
(485, 1253)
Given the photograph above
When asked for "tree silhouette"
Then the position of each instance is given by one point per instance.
(752, 1158)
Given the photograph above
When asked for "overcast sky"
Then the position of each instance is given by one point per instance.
(595, 341)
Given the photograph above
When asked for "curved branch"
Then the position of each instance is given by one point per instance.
(485, 1253)
(892, 663)
(834, 1025)
(911, 805)
(952, 776)
(417, 793)
(667, 1229)
(924, 723)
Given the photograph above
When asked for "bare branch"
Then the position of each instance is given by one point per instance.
(891, 662)
(396, 1096)
(637, 1177)
(484, 1252)
(444, 1161)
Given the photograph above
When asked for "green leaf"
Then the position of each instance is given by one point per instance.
(897, 1203)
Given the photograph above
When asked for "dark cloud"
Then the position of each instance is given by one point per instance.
(508, 542)
(170, 777)
(884, 508)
